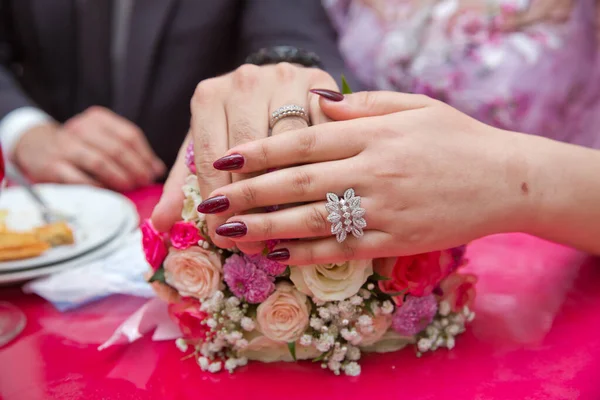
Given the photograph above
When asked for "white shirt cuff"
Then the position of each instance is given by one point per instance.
(16, 123)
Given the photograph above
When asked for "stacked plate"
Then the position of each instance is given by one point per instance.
(101, 221)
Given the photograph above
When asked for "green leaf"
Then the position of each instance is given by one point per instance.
(158, 276)
(320, 358)
(345, 87)
(287, 271)
(377, 277)
(292, 349)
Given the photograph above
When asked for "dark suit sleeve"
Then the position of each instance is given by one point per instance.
(11, 95)
(299, 23)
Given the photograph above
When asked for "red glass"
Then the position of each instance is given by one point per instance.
(56, 356)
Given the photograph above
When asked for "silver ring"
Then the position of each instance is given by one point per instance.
(346, 215)
(289, 110)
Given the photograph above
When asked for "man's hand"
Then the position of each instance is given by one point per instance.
(97, 147)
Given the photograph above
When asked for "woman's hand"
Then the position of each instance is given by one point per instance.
(231, 110)
(429, 177)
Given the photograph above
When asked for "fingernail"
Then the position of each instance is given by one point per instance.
(232, 229)
(328, 94)
(279, 255)
(213, 205)
(229, 163)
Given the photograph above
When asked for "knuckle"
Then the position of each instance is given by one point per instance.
(206, 173)
(246, 76)
(248, 194)
(307, 142)
(205, 92)
(242, 132)
(302, 183)
(348, 250)
(318, 75)
(290, 124)
(309, 257)
(264, 155)
(94, 111)
(368, 99)
(267, 228)
(285, 72)
(316, 222)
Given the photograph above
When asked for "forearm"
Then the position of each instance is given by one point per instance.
(562, 188)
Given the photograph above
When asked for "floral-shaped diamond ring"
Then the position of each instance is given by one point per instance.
(345, 215)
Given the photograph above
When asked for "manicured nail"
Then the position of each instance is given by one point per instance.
(229, 163)
(214, 205)
(232, 229)
(328, 94)
(279, 255)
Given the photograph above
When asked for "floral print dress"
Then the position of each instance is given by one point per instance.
(541, 78)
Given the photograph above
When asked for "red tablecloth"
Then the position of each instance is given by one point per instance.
(56, 356)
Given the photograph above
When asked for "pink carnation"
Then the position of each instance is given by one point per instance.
(184, 234)
(272, 268)
(415, 314)
(189, 157)
(154, 246)
(246, 280)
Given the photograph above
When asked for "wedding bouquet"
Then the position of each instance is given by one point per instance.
(233, 307)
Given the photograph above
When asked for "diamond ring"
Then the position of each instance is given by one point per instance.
(289, 110)
(345, 215)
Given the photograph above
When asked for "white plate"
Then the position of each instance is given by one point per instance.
(100, 215)
(131, 224)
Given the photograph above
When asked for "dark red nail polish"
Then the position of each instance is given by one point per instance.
(229, 163)
(214, 205)
(328, 94)
(279, 255)
(232, 229)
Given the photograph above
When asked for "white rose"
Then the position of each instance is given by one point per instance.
(390, 341)
(381, 324)
(261, 348)
(191, 190)
(194, 272)
(332, 282)
(283, 316)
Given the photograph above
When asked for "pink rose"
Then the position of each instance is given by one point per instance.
(417, 275)
(154, 246)
(187, 315)
(184, 234)
(194, 272)
(459, 290)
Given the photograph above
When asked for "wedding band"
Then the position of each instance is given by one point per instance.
(346, 215)
(289, 110)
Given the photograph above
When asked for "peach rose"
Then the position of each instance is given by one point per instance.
(283, 316)
(417, 275)
(332, 282)
(381, 324)
(459, 290)
(194, 272)
(263, 349)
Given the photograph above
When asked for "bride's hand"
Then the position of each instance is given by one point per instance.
(429, 177)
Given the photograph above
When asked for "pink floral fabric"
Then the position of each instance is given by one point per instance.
(541, 79)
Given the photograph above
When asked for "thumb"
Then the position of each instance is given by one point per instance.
(340, 107)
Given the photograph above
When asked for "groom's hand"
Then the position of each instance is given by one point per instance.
(233, 109)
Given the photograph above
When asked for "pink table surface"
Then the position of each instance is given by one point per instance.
(56, 357)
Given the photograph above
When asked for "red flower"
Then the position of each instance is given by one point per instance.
(154, 246)
(184, 234)
(459, 290)
(187, 315)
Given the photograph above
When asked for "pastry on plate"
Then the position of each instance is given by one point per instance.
(56, 234)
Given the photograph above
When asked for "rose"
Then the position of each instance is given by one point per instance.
(187, 315)
(191, 190)
(381, 324)
(283, 316)
(263, 349)
(184, 234)
(417, 275)
(194, 272)
(153, 244)
(332, 282)
(459, 290)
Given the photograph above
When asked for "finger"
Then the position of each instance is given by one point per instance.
(169, 207)
(370, 104)
(97, 165)
(290, 91)
(326, 142)
(64, 172)
(208, 128)
(113, 148)
(128, 133)
(324, 81)
(305, 221)
(301, 184)
(323, 251)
